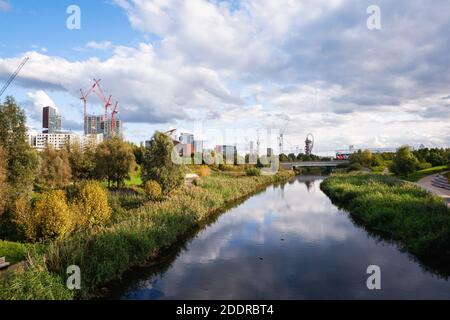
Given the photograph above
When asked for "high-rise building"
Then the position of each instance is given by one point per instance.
(96, 125)
(51, 120)
(93, 124)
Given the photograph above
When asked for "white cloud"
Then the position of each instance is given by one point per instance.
(251, 63)
(104, 45)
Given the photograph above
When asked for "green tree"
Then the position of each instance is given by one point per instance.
(366, 158)
(158, 164)
(139, 152)
(404, 162)
(377, 160)
(82, 161)
(3, 184)
(22, 162)
(113, 161)
(284, 158)
(55, 168)
(292, 157)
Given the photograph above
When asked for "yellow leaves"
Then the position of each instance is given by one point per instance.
(91, 205)
(52, 217)
(49, 218)
(153, 190)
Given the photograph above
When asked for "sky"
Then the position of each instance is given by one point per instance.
(232, 71)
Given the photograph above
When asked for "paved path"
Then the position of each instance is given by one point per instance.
(426, 184)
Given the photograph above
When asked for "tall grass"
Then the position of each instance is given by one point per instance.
(418, 220)
(144, 233)
(33, 283)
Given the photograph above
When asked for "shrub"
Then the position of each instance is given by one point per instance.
(424, 165)
(253, 172)
(355, 167)
(203, 171)
(49, 218)
(91, 204)
(153, 190)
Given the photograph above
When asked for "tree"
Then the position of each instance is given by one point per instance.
(55, 168)
(113, 161)
(22, 162)
(49, 218)
(82, 161)
(158, 164)
(3, 184)
(284, 158)
(377, 160)
(139, 152)
(91, 204)
(404, 162)
(292, 157)
(366, 158)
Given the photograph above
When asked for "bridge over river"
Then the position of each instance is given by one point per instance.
(305, 164)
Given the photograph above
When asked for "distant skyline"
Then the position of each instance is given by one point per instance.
(206, 66)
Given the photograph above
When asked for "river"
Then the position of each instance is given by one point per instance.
(287, 242)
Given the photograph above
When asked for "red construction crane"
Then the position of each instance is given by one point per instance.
(113, 117)
(85, 96)
(107, 102)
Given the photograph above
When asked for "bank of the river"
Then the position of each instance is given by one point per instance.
(137, 236)
(418, 220)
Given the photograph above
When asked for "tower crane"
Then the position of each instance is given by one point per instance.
(84, 98)
(113, 117)
(107, 102)
(281, 136)
(13, 76)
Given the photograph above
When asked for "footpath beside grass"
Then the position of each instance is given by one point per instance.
(416, 219)
(137, 236)
(416, 176)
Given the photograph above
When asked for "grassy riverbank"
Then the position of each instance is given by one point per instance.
(416, 219)
(136, 236)
(416, 176)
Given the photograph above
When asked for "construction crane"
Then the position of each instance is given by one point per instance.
(281, 136)
(84, 98)
(106, 102)
(14, 75)
(113, 117)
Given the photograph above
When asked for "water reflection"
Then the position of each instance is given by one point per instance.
(288, 242)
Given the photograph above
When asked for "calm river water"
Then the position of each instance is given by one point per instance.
(288, 242)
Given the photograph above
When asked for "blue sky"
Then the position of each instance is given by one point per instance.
(226, 70)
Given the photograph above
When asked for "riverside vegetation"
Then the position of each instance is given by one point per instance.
(401, 211)
(79, 206)
(104, 253)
